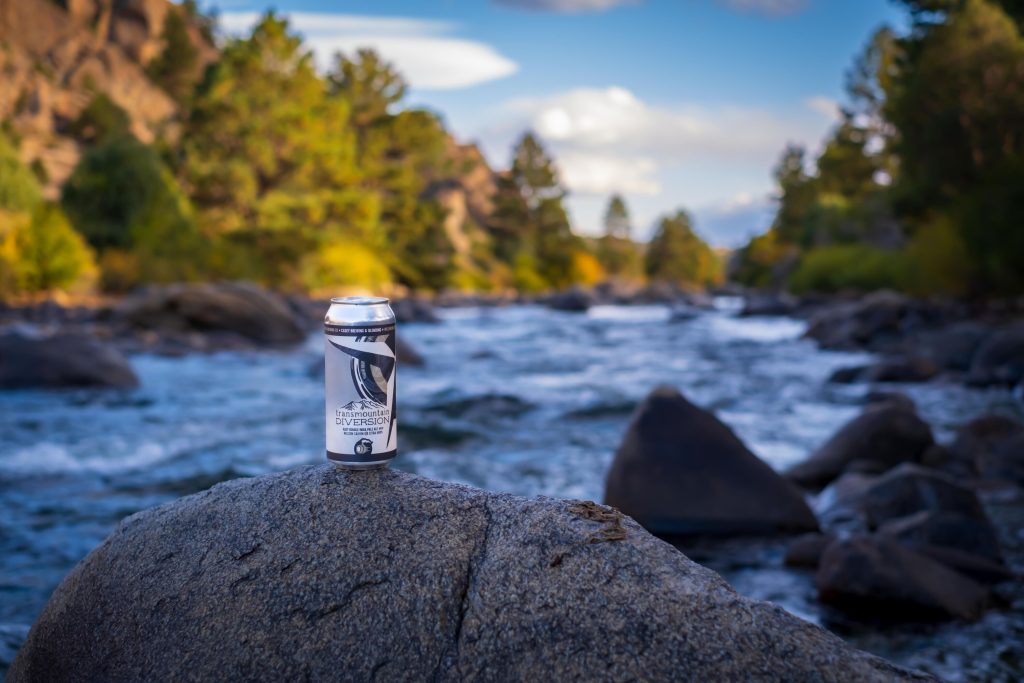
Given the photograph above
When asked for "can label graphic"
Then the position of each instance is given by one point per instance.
(360, 369)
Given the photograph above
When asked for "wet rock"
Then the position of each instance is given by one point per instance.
(59, 361)
(485, 407)
(414, 310)
(953, 347)
(909, 489)
(407, 354)
(574, 299)
(878, 577)
(938, 528)
(806, 550)
(895, 398)
(856, 325)
(770, 304)
(423, 581)
(1005, 462)
(1000, 360)
(240, 310)
(680, 471)
(889, 370)
(978, 447)
(886, 434)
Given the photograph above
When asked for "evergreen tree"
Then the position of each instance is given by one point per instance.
(616, 252)
(174, 68)
(616, 218)
(677, 255)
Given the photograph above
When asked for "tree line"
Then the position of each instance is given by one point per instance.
(303, 181)
(921, 185)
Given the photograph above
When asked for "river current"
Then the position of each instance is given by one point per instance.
(518, 399)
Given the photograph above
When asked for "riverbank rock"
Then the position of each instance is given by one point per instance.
(414, 310)
(681, 471)
(235, 310)
(883, 436)
(62, 360)
(879, 321)
(1000, 360)
(769, 304)
(977, 442)
(905, 370)
(878, 577)
(575, 299)
(317, 572)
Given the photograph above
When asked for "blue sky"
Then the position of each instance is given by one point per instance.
(673, 103)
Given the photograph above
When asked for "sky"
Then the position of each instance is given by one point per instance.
(675, 104)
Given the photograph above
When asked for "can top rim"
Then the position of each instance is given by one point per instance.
(360, 300)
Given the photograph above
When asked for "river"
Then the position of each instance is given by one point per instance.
(518, 399)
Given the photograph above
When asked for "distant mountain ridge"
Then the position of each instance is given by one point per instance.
(364, 404)
(57, 55)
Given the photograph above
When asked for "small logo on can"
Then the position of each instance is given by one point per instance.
(364, 447)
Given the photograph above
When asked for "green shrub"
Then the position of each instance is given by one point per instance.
(19, 189)
(50, 254)
(849, 267)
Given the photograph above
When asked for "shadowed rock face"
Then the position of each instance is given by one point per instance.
(320, 574)
(680, 471)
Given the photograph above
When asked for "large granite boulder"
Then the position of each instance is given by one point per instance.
(321, 574)
(681, 471)
(30, 360)
(883, 436)
(876, 576)
(575, 299)
(235, 309)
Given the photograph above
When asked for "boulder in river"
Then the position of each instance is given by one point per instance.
(236, 309)
(876, 576)
(681, 471)
(906, 370)
(966, 544)
(318, 573)
(414, 310)
(984, 447)
(884, 435)
(953, 347)
(30, 360)
(574, 299)
(1000, 360)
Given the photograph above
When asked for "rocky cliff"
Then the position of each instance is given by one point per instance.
(56, 55)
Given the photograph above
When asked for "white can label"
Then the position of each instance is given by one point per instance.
(360, 369)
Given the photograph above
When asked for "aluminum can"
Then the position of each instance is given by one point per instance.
(359, 382)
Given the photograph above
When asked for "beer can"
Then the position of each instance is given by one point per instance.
(359, 382)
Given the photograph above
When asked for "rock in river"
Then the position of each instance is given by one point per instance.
(321, 574)
(884, 435)
(877, 576)
(680, 471)
(236, 308)
(1000, 360)
(61, 360)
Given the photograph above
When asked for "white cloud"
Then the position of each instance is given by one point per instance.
(826, 106)
(772, 8)
(609, 140)
(421, 50)
(566, 5)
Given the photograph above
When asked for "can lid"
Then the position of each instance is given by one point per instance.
(360, 300)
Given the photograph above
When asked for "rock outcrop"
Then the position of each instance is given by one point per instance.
(681, 471)
(57, 54)
(318, 574)
(61, 360)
